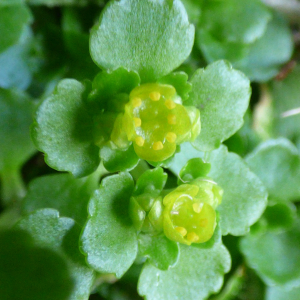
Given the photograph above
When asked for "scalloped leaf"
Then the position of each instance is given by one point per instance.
(29, 272)
(151, 181)
(115, 160)
(277, 164)
(63, 130)
(279, 266)
(109, 239)
(197, 274)
(150, 37)
(160, 251)
(63, 192)
(222, 96)
(61, 235)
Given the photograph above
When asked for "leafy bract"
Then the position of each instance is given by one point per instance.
(16, 110)
(277, 164)
(31, 272)
(13, 21)
(63, 192)
(222, 96)
(61, 235)
(244, 198)
(161, 252)
(63, 130)
(150, 37)
(282, 293)
(109, 239)
(198, 273)
(279, 266)
(285, 96)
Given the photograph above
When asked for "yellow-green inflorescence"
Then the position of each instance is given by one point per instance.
(189, 215)
(155, 121)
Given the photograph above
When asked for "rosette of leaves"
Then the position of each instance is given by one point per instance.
(79, 120)
(252, 45)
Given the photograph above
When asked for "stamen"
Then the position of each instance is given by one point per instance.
(197, 207)
(158, 145)
(137, 122)
(171, 119)
(171, 137)
(181, 230)
(154, 96)
(139, 141)
(170, 104)
(136, 102)
(203, 222)
(192, 237)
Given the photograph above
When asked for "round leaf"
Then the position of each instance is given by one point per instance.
(281, 293)
(109, 239)
(222, 96)
(150, 37)
(63, 130)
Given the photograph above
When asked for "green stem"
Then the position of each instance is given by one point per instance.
(139, 169)
(12, 186)
(93, 180)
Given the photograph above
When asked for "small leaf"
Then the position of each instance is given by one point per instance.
(194, 168)
(282, 293)
(279, 266)
(277, 164)
(222, 96)
(63, 130)
(13, 21)
(61, 235)
(179, 80)
(161, 252)
(29, 272)
(16, 110)
(151, 181)
(115, 160)
(109, 239)
(150, 37)
(63, 192)
(197, 274)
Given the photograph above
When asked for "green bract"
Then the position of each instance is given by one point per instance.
(155, 121)
(189, 213)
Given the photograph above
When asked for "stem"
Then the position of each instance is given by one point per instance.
(12, 186)
(139, 169)
(94, 179)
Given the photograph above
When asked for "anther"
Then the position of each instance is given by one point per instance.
(181, 230)
(139, 141)
(136, 102)
(197, 207)
(171, 137)
(154, 96)
(170, 104)
(137, 122)
(171, 119)
(158, 145)
(203, 222)
(192, 237)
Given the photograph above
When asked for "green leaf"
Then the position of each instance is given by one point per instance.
(264, 57)
(222, 96)
(194, 168)
(63, 192)
(14, 20)
(151, 181)
(63, 130)
(115, 160)
(277, 164)
(193, 8)
(282, 293)
(285, 96)
(279, 266)
(109, 239)
(179, 80)
(244, 198)
(220, 18)
(16, 110)
(29, 272)
(61, 235)
(161, 252)
(197, 274)
(150, 37)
